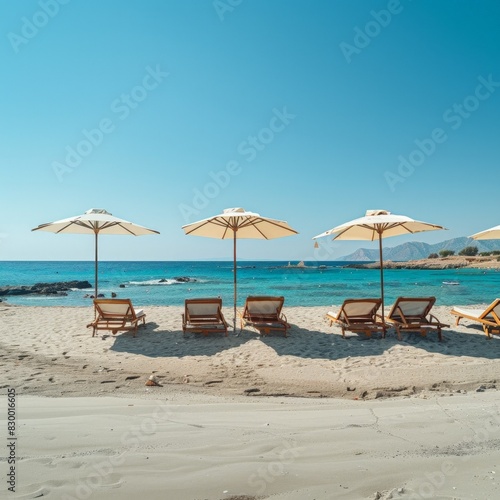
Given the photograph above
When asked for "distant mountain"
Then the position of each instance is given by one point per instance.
(419, 250)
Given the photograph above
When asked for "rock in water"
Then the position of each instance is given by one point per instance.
(58, 288)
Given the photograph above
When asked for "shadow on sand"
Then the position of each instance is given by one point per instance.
(304, 343)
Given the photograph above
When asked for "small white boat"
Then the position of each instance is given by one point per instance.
(451, 283)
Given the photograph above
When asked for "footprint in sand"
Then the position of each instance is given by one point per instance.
(78, 465)
(112, 481)
(42, 492)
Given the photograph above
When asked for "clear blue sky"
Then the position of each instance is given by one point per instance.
(312, 106)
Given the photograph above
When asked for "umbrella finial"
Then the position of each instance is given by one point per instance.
(370, 213)
(233, 210)
(97, 211)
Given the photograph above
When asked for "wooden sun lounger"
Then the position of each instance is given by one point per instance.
(203, 316)
(489, 317)
(264, 314)
(116, 315)
(413, 314)
(359, 316)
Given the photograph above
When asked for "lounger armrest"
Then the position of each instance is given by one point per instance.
(222, 318)
(402, 317)
(432, 317)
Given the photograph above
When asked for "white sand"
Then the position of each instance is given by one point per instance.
(201, 436)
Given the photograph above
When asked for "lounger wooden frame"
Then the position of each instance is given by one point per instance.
(359, 316)
(489, 318)
(264, 313)
(116, 315)
(417, 320)
(207, 319)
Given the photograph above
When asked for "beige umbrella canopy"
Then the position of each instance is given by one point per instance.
(236, 223)
(95, 221)
(375, 225)
(488, 234)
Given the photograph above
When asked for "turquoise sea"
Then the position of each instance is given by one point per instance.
(318, 284)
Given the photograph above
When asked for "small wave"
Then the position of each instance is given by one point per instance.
(152, 282)
(164, 281)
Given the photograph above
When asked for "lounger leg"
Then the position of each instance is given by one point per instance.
(343, 332)
(440, 335)
(458, 320)
(398, 332)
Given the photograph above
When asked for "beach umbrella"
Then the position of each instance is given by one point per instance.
(375, 225)
(236, 223)
(488, 234)
(95, 221)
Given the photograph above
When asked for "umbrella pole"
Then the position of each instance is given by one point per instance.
(234, 278)
(381, 270)
(95, 277)
(96, 267)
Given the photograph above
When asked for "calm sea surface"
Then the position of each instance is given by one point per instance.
(318, 284)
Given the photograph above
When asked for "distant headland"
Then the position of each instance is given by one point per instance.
(450, 262)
